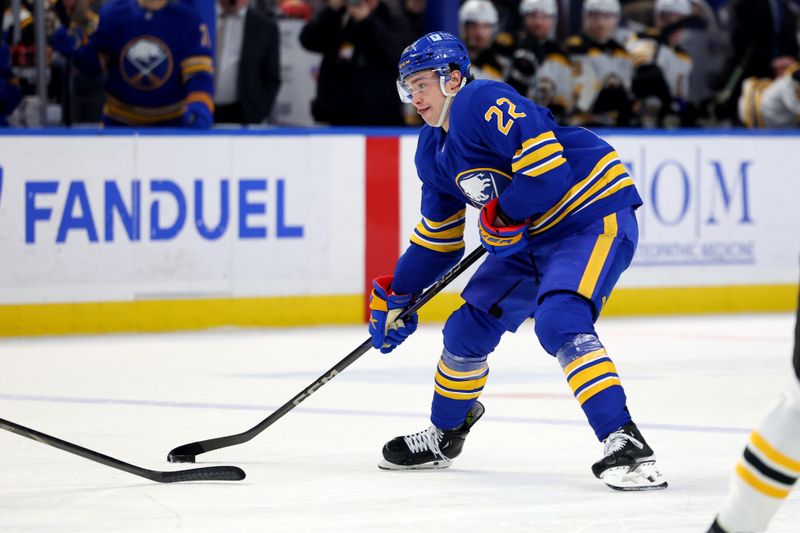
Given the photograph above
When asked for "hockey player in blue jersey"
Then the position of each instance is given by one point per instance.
(157, 55)
(557, 217)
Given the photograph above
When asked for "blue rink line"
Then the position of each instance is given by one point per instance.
(266, 409)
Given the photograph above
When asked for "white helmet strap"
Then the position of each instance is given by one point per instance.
(448, 99)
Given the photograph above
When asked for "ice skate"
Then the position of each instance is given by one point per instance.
(629, 463)
(430, 448)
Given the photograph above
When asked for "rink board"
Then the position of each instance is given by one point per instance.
(115, 231)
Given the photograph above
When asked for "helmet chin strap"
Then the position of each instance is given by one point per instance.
(448, 99)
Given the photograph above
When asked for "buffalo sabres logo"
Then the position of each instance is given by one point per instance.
(482, 184)
(146, 63)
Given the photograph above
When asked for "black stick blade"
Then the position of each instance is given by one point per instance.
(185, 453)
(211, 473)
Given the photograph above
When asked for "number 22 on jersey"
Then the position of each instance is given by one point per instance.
(503, 125)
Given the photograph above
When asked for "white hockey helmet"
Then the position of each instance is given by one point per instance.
(548, 7)
(601, 6)
(480, 11)
(678, 7)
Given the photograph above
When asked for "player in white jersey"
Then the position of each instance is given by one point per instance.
(770, 463)
(540, 68)
(603, 68)
(662, 67)
(767, 103)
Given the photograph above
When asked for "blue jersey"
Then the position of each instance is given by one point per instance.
(157, 61)
(500, 144)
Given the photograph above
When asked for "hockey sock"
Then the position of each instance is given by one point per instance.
(594, 381)
(767, 469)
(458, 383)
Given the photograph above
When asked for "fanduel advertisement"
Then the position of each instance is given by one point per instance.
(112, 218)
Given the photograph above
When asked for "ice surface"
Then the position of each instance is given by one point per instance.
(696, 386)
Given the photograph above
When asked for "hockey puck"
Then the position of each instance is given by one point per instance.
(176, 458)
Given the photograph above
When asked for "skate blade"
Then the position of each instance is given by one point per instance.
(643, 476)
(434, 465)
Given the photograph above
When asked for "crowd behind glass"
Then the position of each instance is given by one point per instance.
(634, 63)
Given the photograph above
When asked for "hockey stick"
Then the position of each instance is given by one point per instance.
(188, 452)
(212, 473)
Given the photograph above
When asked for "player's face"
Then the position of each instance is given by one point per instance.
(478, 35)
(600, 26)
(426, 95)
(539, 25)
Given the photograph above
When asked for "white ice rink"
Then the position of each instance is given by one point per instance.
(696, 386)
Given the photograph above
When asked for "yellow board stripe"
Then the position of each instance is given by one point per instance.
(456, 395)
(449, 372)
(179, 314)
(582, 360)
(598, 258)
(585, 376)
(758, 484)
(537, 155)
(197, 313)
(600, 386)
(774, 455)
(470, 385)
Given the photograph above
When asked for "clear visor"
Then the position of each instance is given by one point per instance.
(418, 81)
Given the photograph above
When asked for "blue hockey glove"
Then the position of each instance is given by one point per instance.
(501, 241)
(66, 41)
(197, 116)
(385, 306)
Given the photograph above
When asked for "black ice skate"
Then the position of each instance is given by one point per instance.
(629, 463)
(430, 448)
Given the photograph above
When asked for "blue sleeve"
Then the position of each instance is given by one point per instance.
(197, 66)
(91, 58)
(437, 242)
(515, 127)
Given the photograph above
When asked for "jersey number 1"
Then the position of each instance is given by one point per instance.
(494, 111)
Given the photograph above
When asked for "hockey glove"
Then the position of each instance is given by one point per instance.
(384, 307)
(498, 239)
(66, 41)
(197, 116)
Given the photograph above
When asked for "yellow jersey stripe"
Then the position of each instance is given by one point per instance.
(456, 395)
(456, 232)
(613, 173)
(759, 485)
(603, 163)
(437, 247)
(193, 60)
(772, 454)
(550, 165)
(585, 376)
(128, 117)
(598, 387)
(199, 96)
(582, 360)
(188, 72)
(537, 155)
(447, 371)
(597, 260)
(530, 143)
(434, 225)
(470, 385)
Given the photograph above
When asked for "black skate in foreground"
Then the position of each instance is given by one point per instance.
(629, 463)
(430, 448)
